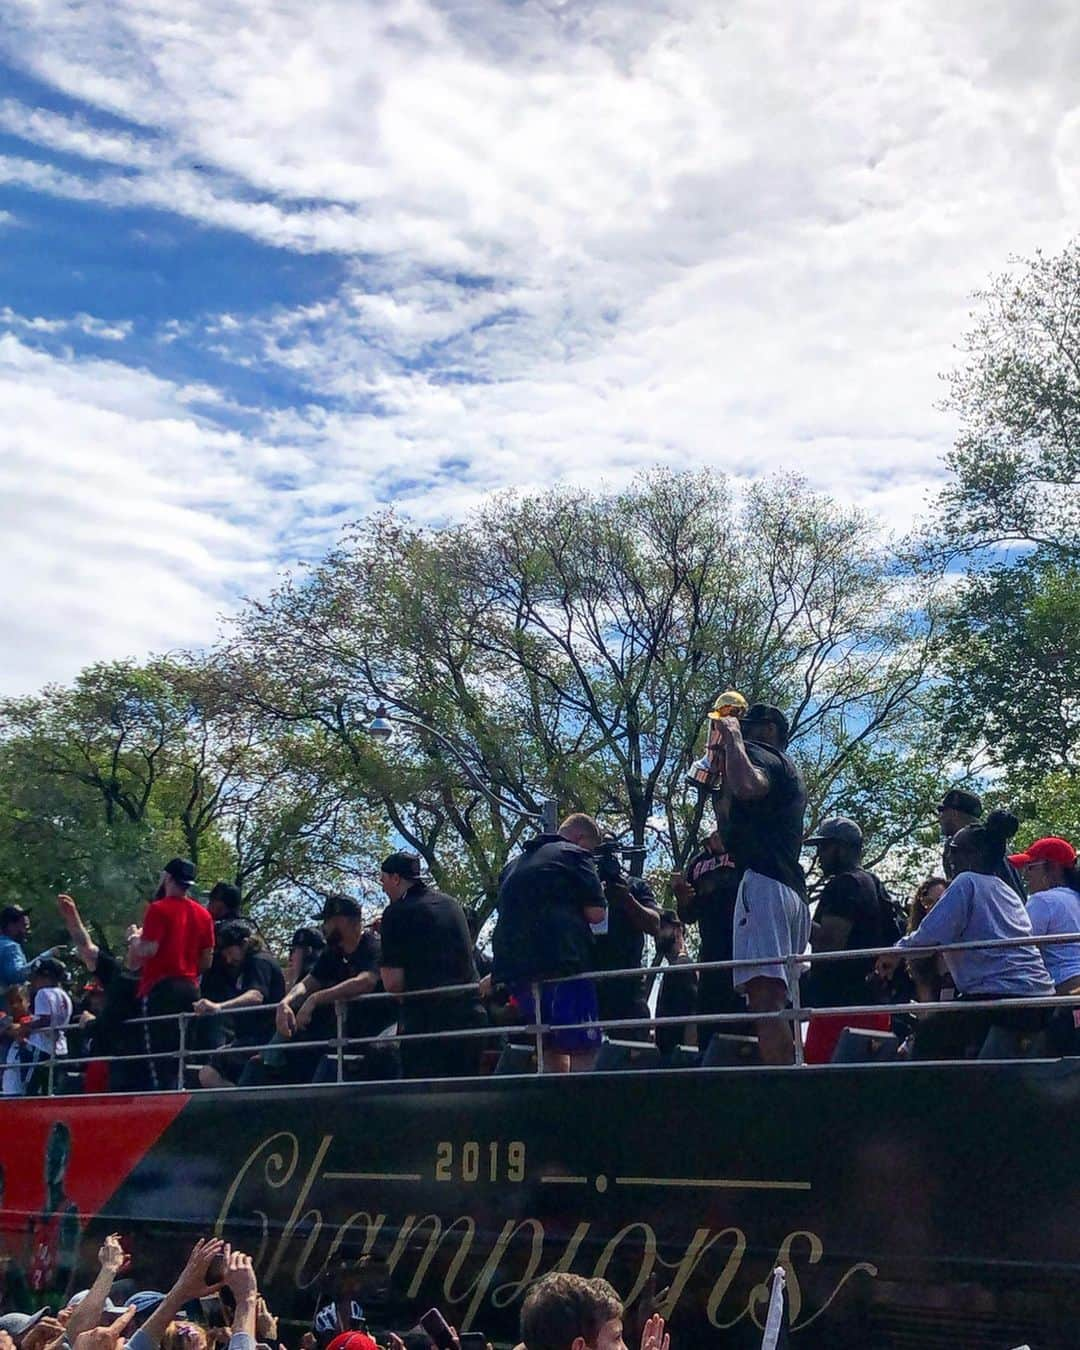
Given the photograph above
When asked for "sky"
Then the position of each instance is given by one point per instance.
(269, 265)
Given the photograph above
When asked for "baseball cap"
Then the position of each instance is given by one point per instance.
(769, 713)
(959, 799)
(402, 865)
(49, 965)
(17, 1324)
(145, 1301)
(113, 1309)
(353, 1340)
(307, 937)
(182, 870)
(1051, 849)
(839, 830)
(12, 912)
(338, 906)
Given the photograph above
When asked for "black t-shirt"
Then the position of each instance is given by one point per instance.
(258, 971)
(678, 990)
(543, 895)
(621, 947)
(858, 897)
(765, 834)
(426, 935)
(364, 1017)
(715, 880)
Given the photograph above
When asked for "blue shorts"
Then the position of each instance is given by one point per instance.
(563, 1005)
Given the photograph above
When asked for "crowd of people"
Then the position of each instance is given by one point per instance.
(412, 994)
(215, 1301)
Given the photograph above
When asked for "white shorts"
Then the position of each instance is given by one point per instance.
(771, 921)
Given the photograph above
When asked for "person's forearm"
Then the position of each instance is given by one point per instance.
(298, 993)
(250, 998)
(642, 918)
(740, 775)
(243, 1322)
(940, 926)
(347, 990)
(88, 1313)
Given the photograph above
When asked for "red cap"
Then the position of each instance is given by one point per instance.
(1052, 849)
(353, 1340)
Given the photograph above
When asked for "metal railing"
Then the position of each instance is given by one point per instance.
(188, 1056)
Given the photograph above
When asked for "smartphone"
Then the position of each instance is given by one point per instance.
(435, 1325)
(472, 1340)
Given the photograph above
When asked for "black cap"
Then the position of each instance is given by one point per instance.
(309, 938)
(405, 865)
(229, 896)
(767, 712)
(49, 965)
(959, 799)
(233, 933)
(338, 906)
(182, 870)
(12, 912)
(839, 830)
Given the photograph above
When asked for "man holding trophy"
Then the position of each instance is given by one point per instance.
(760, 806)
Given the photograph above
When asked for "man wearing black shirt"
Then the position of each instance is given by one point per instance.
(253, 978)
(632, 913)
(549, 895)
(852, 914)
(766, 803)
(679, 988)
(426, 944)
(959, 809)
(706, 896)
(344, 972)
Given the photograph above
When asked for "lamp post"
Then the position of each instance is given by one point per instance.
(381, 728)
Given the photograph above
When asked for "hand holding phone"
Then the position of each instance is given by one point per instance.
(439, 1330)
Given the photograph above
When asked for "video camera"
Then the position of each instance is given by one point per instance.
(609, 855)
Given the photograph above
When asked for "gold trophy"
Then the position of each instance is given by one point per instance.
(707, 774)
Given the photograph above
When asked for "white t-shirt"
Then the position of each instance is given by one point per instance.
(12, 1076)
(1057, 910)
(56, 1006)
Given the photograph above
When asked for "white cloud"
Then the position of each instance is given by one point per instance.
(735, 234)
(103, 329)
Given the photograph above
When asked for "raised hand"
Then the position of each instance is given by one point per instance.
(193, 1282)
(653, 1335)
(105, 1338)
(240, 1276)
(111, 1255)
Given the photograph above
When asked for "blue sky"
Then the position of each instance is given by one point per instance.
(266, 265)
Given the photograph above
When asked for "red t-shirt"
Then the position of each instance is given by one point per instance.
(182, 929)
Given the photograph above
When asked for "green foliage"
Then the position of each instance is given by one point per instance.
(1016, 461)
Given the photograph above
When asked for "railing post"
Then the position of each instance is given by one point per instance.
(181, 1077)
(538, 1022)
(339, 1017)
(50, 1086)
(792, 963)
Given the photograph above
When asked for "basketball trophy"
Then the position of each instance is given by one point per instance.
(707, 773)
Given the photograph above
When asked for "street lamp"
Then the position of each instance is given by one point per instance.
(381, 727)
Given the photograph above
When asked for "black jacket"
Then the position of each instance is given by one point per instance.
(543, 895)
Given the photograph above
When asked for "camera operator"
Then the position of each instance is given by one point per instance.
(619, 942)
(549, 895)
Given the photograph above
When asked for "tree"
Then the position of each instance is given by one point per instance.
(1016, 460)
(570, 643)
